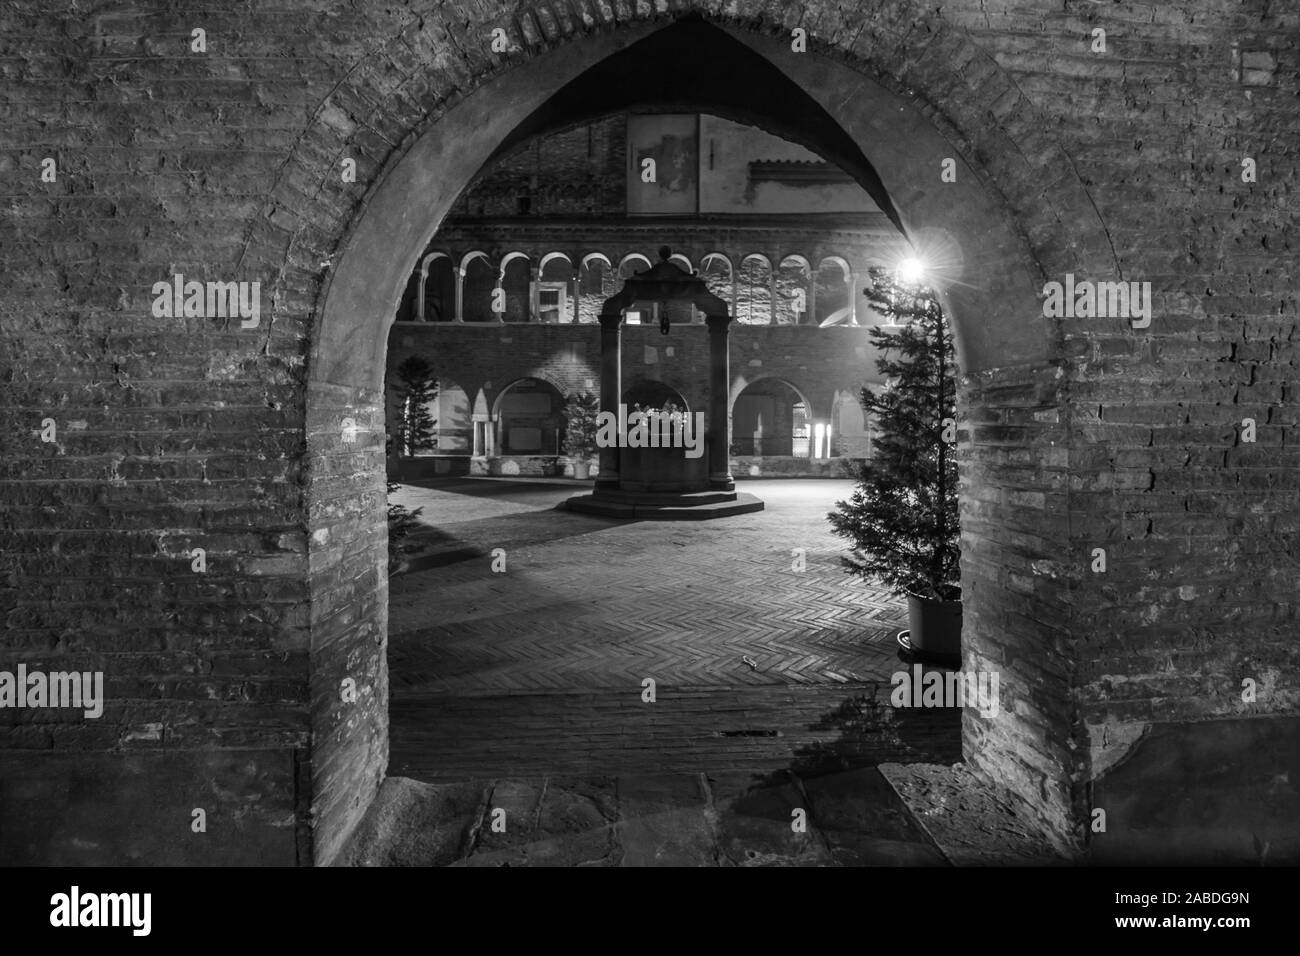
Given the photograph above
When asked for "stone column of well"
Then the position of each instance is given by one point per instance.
(719, 384)
(460, 295)
(611, 393)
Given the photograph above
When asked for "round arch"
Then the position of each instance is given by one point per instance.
(425, 264)
(755, 280)
(711, 256)
(552, 257)
(654, 393)
(721, 285)
(453, 418)
(764, 420)
(510, 257)
(473, 256)
(494, 401)
(533, 425)
(743, 382)
(795, 283)
(632, 257)
(430, 258)
(835, 295)
(836, 261)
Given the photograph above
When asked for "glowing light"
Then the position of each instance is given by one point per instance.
(911, 270)
(821, 440)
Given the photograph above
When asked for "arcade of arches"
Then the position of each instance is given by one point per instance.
(521, 250)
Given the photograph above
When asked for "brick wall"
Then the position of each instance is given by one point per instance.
(579, 171)
(226, 165)
(1198, 592)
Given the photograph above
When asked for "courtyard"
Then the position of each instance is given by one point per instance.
(524, 688)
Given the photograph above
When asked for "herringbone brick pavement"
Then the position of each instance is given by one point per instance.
(598, 604)
(805, 728)
(539, 669)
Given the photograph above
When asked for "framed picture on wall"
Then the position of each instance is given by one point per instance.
(663, 165)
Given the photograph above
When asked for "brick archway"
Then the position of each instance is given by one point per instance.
(740, 383)
(421, 138)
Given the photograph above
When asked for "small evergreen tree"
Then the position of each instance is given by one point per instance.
(401, 522)
(418, 386)
(902, 515)
(580, 425)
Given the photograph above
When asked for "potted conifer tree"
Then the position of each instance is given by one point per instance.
(580, 429)
(902, 517)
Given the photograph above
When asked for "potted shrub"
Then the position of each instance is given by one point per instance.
(902, 516)
(580, 427)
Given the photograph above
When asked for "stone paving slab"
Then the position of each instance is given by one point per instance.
(866, 824)
(547, 822)
(975, 822)
(414, 824)
(664, 821)
(718, 819)
(756, 822)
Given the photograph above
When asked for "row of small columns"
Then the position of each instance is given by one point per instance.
(534, 305)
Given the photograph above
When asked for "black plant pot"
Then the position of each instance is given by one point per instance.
(934, 630)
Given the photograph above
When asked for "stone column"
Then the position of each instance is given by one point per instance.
(611, 393)
(771, 295)
(501, 284)
(852, 280)
(534, 295)
(419, 293)
(809, 316)
(576, 285)
(719, 385)
(460, 294)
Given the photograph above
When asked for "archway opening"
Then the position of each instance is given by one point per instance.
(771, 419)
(650, 394)
(530, 419)
(480, 284)
(992, 297)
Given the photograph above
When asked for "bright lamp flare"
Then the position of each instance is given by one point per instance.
(911, 270)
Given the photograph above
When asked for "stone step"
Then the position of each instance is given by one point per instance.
(707, 497)
(682, 508)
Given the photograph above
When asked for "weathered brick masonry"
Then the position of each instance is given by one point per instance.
(174, 434)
